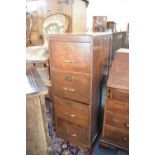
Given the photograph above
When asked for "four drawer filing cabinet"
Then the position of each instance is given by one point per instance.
(76, 66)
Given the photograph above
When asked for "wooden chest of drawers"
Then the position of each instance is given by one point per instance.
(76, 63)
(116, 111)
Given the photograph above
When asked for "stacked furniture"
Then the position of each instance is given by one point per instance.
(116, 111)
(37, 136)
(76, 66)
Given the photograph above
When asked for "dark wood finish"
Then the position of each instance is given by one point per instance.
(119, 95)
(116, 111)
(69, 86)
(119, 76)
(76, 83)
(117, 106)
(116, 136)
(72, 132)
(72, 56)
(119, 121)
(72, 111)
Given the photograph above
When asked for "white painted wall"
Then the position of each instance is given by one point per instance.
(115, 10)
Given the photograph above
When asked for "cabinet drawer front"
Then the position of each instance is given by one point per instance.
(119, 95)
(118, 107)
(116, 136)
(72, 132)
(71, 56)
(75, 86)
(117, 121)
(71, 111)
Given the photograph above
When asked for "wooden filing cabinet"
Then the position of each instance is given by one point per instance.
(76, 63)
(116, 112)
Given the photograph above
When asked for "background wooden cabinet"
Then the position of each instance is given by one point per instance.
(116, 111)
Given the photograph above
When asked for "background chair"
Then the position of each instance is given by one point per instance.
(38, 55)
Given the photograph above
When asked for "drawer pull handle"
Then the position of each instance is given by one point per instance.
(74, 135)
(69, 61)
(127, 125)
(69, 89)
(71, 115)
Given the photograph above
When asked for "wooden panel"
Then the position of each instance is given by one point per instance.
(45, 120)
(116, 112)
(72, 132)
(116, 136)
(35, 134)
(79, 12)
(119, 73)
(71, 85)
(72, 56)
(118, 121)
(71, 111)
(118, 107)
(99, 55)
(120, 95)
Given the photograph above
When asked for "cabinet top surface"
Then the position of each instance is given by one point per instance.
(82, 33)
(78, 34)
(77, 37)
(119, 73)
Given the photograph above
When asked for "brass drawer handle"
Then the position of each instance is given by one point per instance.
(71, 115)
(127, 125)
(69, 89)
(73, 135)
(69, 61)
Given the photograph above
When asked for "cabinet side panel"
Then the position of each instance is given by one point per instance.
(101, 58)
(97, 65)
